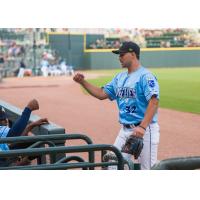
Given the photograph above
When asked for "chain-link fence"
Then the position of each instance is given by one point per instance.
(28, 46)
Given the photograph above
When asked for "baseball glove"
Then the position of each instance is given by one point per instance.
(133, 146)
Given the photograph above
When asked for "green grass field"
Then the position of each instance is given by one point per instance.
(179, 87)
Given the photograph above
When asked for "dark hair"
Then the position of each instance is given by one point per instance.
(3, 115)
(137, 56)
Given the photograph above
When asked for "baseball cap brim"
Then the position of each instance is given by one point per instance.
(116, 51)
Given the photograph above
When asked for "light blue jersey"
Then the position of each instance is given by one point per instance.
(3, 134)
(132, 93)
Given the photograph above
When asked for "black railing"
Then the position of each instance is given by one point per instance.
(71, 149)
(182, 163)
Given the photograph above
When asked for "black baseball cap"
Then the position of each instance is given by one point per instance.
(2, 113)
(128, 47)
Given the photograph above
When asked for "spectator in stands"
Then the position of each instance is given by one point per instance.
(19, 128)
(116, 44)
(22, 68)
(93, 46)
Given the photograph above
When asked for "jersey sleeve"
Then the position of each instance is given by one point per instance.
(4, 131)
(3, 134)
(21, 123)
(109, 89)
(150, 86)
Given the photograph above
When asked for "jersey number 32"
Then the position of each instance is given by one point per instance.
(130, 109)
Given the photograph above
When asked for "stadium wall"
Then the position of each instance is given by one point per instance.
(174, 57)
(72, 47)
(69, 46)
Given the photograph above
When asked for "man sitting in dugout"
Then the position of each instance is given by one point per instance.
(19, 128)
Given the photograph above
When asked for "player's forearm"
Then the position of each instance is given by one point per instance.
(150, 112)
(94, 91)
(28, 128)
(20, 125)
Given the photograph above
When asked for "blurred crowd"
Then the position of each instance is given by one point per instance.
(148, 38)
(49, 65)
(23, 50)
(17, 62)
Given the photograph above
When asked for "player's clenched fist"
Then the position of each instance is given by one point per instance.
(33, 105)
(79, 78)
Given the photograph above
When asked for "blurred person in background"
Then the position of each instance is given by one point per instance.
(44, 66)
(22, 68)
(2, 61)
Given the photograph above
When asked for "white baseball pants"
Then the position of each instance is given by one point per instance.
(148, 156)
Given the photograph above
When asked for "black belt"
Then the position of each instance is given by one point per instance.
(131, 125)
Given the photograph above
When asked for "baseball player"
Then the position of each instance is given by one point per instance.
(137, 94)
(19, 128)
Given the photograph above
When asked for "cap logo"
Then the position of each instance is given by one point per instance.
(130, 49)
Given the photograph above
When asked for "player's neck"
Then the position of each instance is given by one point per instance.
(134, 67)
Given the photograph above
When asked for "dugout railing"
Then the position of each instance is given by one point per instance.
(180, 163)
(37, 143)
(54, 137)
(64, 164)
(50, 140)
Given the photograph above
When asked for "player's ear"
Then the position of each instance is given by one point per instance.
(133, 54)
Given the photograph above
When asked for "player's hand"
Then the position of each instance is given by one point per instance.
(41, 122)
(139, 132)
(79, 78)
(33, 105)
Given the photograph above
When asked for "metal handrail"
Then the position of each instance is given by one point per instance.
(41, 144)
(62, 166)
(68, 159)
(55, 137)
(71, 136)
(181, 163)
(70, 149)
